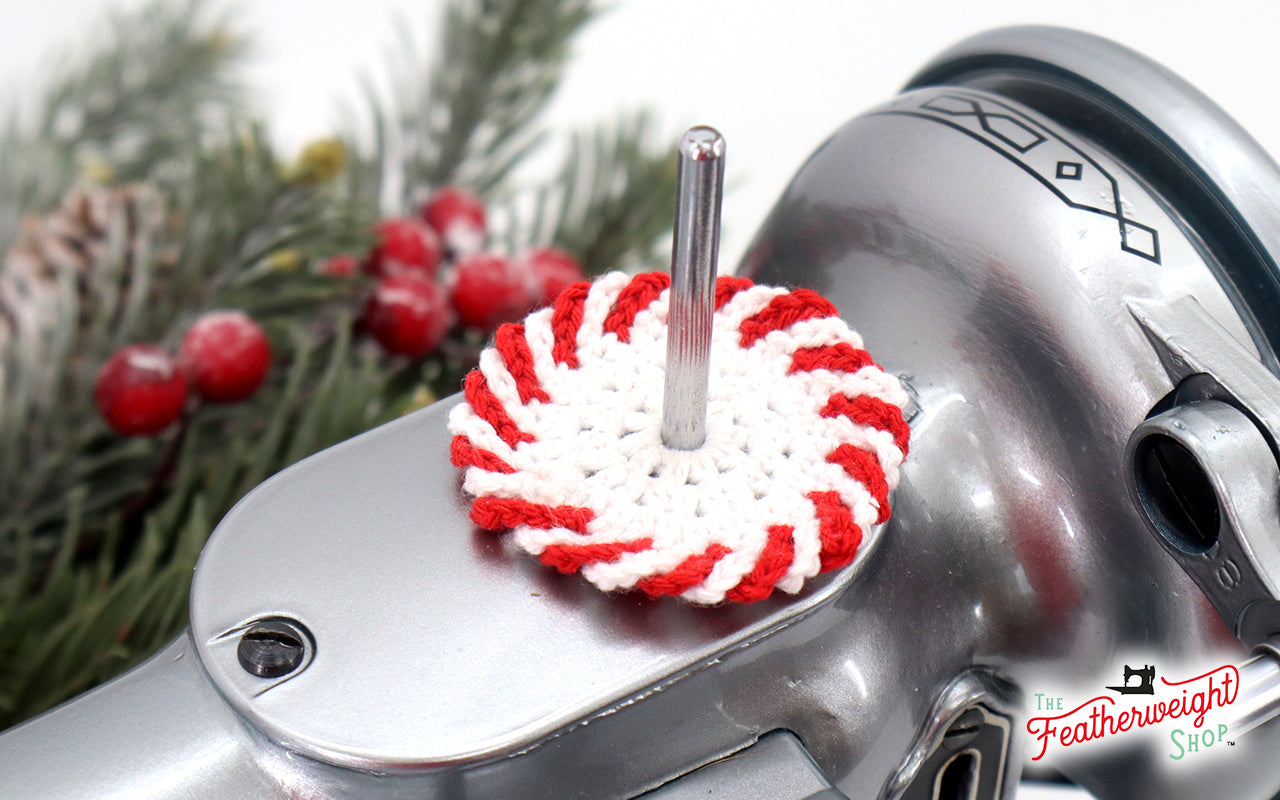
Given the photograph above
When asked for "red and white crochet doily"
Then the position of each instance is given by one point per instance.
(560, 438)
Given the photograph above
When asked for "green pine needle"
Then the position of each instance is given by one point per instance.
(470, 121)
(99, 533)
(617, 196)
(152, 83)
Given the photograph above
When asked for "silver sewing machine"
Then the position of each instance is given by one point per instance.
(1068, 254)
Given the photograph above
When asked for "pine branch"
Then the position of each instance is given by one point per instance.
(248, 227)
(498, 63)
(158, 83)
(218, 244)
(612, 203)
(153, 83)
(33, 174)
(83, 626)
(98, 533)
(108, 599)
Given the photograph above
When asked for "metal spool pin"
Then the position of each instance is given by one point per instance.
(696, 242)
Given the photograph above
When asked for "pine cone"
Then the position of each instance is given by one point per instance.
(68, 268)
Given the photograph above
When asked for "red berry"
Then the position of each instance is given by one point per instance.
(550, 271)
(340, 266)
(140, 390)
(226, 355)
(407, 315)
(489, 290)
(458, 216)
(405, 246)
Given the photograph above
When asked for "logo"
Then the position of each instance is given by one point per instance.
(1185, 713)
(1146, 676)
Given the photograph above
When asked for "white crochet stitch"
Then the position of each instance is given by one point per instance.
(597, 444)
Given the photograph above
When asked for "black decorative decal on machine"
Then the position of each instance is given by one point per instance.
(1066, 170)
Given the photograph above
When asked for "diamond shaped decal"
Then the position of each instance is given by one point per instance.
(1069, 170)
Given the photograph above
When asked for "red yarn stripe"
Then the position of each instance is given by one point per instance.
(727, 286)
(784, 311)
(638, 294)
(571, 557)
(779, 551)
(864, 468)
(496, 513)
(842, 357)
(871, 411)
(566, 319)
(462, 453)
(476, 390)
(691, 572)
(839, 534)
(512, 345)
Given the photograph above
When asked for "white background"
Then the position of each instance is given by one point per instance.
(775, 77)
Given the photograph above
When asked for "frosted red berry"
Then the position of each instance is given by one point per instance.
(405, 246)
(549, 272)
(140, 390)
(226, 356)
(339, 266)
(459, 217)
(408, 315)
(489, 290)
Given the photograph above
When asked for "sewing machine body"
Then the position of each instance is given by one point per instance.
(991, 254)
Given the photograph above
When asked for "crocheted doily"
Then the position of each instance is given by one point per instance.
(560, 438)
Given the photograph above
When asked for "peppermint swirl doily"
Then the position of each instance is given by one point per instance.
(560, 438)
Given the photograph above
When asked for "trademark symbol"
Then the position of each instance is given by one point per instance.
(1231, 744)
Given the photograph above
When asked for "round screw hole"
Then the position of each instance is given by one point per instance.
(272, 648)
(1176, 494)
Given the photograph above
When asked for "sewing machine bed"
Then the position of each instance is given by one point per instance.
(435, 642)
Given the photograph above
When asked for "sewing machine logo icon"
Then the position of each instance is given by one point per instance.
(1187, 714)
(1146, 680)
